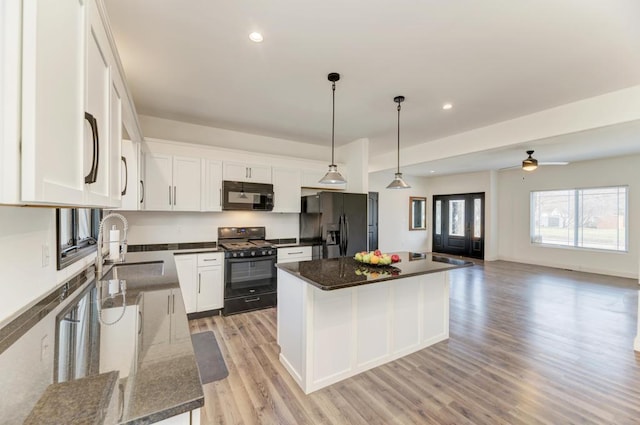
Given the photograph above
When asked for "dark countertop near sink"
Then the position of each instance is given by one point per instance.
(162, 379)
(345, 272)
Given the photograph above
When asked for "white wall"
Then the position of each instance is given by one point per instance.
(355, 156)
(149, 227)
(192, 133)
(514, 191)
(23, 280)
(393, 213)
(486, 182)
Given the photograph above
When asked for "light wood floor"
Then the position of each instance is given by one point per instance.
(528, 345)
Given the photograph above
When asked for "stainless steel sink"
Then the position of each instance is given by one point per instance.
(135, 271)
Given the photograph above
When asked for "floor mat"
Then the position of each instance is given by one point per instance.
(209, 358)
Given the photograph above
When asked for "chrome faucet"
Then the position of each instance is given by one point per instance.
(99, 257)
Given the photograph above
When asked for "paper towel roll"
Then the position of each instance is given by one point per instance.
(114, 244)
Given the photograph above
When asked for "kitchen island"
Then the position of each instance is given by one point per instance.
(338, 317)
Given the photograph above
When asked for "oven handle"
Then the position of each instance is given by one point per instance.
(245, 259)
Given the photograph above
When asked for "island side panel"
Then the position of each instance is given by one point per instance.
(292, 322)
(406, 309)
(373, 317)
(435, 313)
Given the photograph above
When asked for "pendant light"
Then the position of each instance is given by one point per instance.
(530, 163)
(333, 176)
(398, 182)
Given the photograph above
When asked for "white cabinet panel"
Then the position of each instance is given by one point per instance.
(332, 332)
(96, 158)
(210, 288)
(171, 182)
(186, 184)
(158, 181)
(374, 330)
(211, 185)
(245, 172)
(130, 182)
(186, 267)
(116, 159)
(406, 309)
(286, 190)
(53, 60)
(201, 280)
(297, 253)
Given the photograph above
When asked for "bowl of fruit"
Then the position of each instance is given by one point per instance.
(376, 258)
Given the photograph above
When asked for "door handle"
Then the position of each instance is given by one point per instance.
(93, 173)
(142, 191)
(169, 195)
(175, 198)
(126, 176)
(199, 281)
(250, 300)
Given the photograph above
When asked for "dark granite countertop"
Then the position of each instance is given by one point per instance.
(337, 273)
(131, 375)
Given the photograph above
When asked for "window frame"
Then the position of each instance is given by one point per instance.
(577, 193)
(76, 249)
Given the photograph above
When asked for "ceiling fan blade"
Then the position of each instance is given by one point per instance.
(554, 163)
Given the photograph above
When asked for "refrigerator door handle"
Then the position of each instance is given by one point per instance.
(346, 234)
(340, 235)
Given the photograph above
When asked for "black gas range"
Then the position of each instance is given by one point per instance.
(250, 275)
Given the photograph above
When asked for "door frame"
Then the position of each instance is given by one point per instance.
(472, 247)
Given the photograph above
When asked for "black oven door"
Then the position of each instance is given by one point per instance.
(247, 196)
(247, 276)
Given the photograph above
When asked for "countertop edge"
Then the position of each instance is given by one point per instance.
(169, 412)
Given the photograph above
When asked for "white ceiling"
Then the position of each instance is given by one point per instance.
(493, 59)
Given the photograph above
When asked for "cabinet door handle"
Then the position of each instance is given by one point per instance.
(246, 172)
(142, 191)
(294, 253)
(173, 307)
(169, 195)
(199, 281)
(220, 191)
(126, 175)
(210, 259)
(93, 173)
(168, 304)
(250, 176)
(139, 322)
(175, 198)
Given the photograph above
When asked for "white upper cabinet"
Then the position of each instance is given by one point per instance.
(53, 101)
(61, 107)
(172, 183)
(97, 158)
(130, 177)
(246, 172)
(211, 185)
(286, 190)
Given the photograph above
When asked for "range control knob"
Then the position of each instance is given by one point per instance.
(242, 254)
(270, 252)
(234, 254)
(253, 253)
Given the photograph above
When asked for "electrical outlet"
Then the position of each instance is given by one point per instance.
(45, 255)
(44, 347)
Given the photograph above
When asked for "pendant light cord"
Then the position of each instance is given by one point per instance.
(333, 118)
(398, 137)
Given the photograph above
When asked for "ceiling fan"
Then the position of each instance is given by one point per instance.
(530, 163)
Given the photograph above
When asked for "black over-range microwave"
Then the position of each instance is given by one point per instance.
(247, 196)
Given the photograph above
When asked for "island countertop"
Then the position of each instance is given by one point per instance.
(345, 272)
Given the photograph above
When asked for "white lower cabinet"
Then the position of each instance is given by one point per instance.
(162, 324)
(201, 280)
(297, 253)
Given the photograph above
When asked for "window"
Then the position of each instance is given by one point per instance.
(77, 233)
(456, 217)
(584, 218)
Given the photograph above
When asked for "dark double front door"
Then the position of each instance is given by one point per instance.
(458, 224)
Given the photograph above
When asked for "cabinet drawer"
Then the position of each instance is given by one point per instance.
(210, 259)
(299, 253)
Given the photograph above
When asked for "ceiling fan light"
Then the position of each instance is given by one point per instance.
(398, 183)
(333, 176)
(530, 163)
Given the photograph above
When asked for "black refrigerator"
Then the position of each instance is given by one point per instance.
(335, 223)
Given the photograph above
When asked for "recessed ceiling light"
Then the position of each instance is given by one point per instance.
(432, 171)
(255, 37)
(447, 106)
